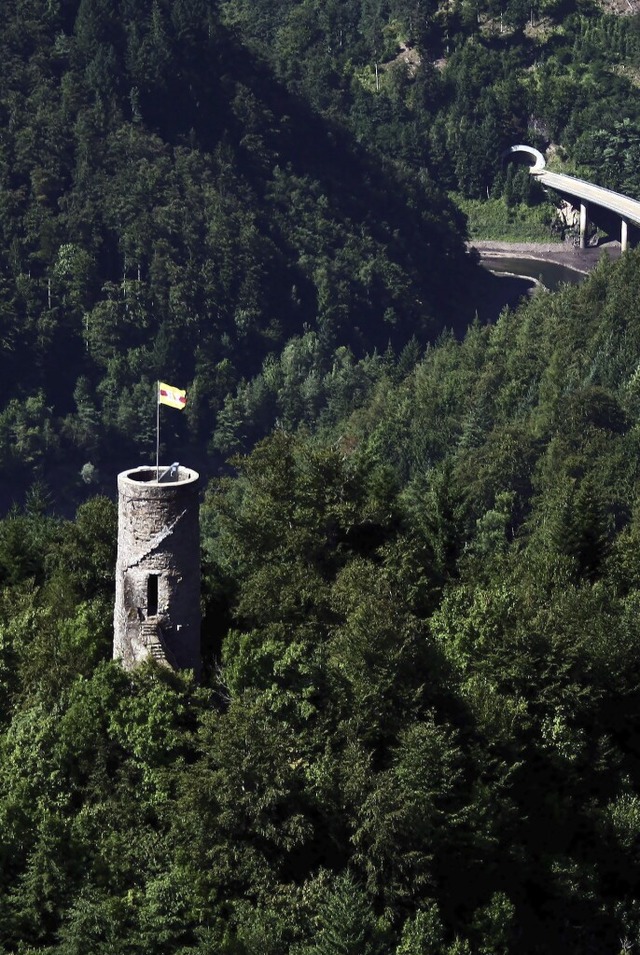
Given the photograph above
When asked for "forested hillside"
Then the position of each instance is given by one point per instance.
(451, 86)
(188, 188)
(417, 730)
(170, 210)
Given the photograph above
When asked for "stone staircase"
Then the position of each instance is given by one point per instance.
(151, 635)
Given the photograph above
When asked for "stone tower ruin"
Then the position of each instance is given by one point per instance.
(157, 610)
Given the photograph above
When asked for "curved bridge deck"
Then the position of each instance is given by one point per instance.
(586, 193)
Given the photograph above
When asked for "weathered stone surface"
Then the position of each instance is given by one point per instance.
(157, 608)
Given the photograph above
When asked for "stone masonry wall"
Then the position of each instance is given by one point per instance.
(158, 537)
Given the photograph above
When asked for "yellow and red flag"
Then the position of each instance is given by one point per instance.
(174, 397)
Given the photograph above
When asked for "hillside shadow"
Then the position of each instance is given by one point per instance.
(225, 92)
(488, 296)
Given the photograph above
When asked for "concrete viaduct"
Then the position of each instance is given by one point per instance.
(628, 210)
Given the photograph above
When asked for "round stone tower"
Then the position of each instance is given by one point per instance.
(157, 611)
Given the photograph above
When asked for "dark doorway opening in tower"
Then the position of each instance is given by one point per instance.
(152, 595)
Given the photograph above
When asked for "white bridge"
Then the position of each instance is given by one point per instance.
(587, 194)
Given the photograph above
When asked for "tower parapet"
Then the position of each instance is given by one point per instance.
(157, 608)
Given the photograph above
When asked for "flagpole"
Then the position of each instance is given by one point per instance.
(157, 430)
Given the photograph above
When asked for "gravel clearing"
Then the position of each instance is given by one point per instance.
(562, 253)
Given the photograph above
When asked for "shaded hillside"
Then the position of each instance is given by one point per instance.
(169, 210)
(450, 86)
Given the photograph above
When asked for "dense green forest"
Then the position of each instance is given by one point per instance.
(418, 732)
(417, 729)
(171, 210)
(192, 189)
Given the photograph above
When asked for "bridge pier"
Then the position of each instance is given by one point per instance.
(580, 191)
(584, 224)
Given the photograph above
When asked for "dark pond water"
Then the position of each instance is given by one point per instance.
(506, 281)
(550, 274)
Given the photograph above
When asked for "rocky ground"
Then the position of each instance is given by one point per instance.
(562, 253)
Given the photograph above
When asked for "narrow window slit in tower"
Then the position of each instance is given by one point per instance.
(152, 595)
